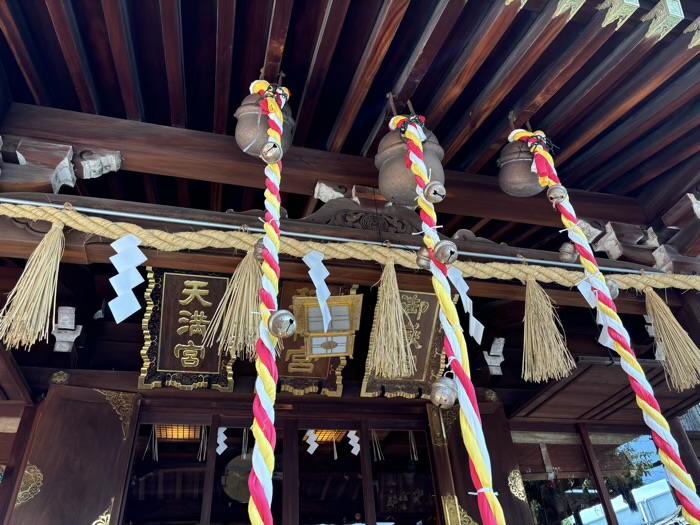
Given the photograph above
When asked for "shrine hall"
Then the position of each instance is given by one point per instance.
(338, 262)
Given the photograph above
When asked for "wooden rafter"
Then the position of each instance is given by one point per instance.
(437, 29)
(63, 20)
(530, 48)
(22, 48)
(638, 87)
(553, 79)
(172, 47)
(655, 111)
(385, 27)
(662, 193)
(485, 38)
(123, 54)
(616, 66)
(279, 26)
(326, 41)
(525, 236)
(225, 21)
(163, 150)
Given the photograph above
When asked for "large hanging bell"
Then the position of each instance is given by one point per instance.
(443, 393)
(397, 183)
(252, 126)
(516, 177)
(282, 324)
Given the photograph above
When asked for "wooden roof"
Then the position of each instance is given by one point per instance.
(620, 104)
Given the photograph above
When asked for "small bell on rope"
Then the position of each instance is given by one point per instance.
(557, 194)
(31, 305)
(234, 321)
(545, 355)
(391, 357)
(282, 324)
(446, 252)
(423, 258)
(681, 356)
(443, 392)
(435, 192)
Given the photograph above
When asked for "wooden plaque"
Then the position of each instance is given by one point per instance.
(179, 308)
(426, 337)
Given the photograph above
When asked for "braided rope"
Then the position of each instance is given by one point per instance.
(260, 480)
(455, 344)
(614, 334)
(173, 242)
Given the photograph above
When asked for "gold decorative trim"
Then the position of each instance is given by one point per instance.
(454, 513)
(147, 341)
(60, 378)
(695, 29)
(568, 5)
(516, 485)
(491, 396)
(123, 405)
(618, 10)
(106, 516)
(32, 480)
(665, 15)
(522, 3)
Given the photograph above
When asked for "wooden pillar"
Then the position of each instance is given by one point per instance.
(685, 447)
(598, 478)
(15, 466)
(448, 501)
(209, 472)
(367, 482)
(290, 471)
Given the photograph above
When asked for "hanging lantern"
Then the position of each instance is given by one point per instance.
(282, 324)
(252, 125)
(443, 393)
(397, 183)
(446, 252)
(516, 177)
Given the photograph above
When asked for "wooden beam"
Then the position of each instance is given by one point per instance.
(663, 192)
(479, 47)
(655, 143)
(385, 27)
(637, 88)
(225, 22)
(174, 65)
(68, 35)
(11, 379)
(326, 41)
(530, 48)
(120, 41)
(14, 470)
(434, 34)
(654, 112)
(673, 155)
(23, 51)
(367, 478)
(163, 150)
(598, 479)
(548, 84)
(277, 38)
(290, 467)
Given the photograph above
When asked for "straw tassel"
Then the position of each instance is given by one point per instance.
(680, 357)
(545, 355)
(392, 357)
(31, 305)
(234, 321)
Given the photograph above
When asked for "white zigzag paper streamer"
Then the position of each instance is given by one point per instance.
(221, 441)
(311, 441)
(128, 258)
(318, 273)
(354, 440)
(476, 329)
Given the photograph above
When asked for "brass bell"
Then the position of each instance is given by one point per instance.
(397, 183)
(252, 126)
(271, 153)
(613, 287)
(434, 192)
(282, 324)
(423, 258)
(258, 250)
(443, 393)
(515, 176)
(446, 252)
(568, 253)
(557, 194)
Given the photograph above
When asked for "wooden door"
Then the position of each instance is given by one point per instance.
(78, 458)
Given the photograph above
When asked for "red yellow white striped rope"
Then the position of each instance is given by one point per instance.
(455, 344)
(614, 335)
(260, 480)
